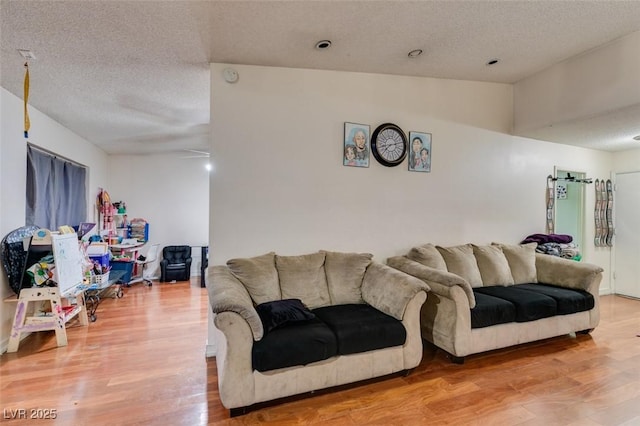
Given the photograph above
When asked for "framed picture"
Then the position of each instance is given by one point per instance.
(419, 152)
(356, 145)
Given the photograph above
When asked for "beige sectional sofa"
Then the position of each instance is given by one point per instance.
(490, 297)
(372, 310)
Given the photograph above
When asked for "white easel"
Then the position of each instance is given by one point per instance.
(28, 318)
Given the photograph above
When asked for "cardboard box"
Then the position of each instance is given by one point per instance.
(97, 249)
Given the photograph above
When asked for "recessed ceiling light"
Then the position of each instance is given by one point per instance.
(323, 44)
(637, 138)
(492, 62)
(415, 53)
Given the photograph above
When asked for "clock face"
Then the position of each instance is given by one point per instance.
(389, 145)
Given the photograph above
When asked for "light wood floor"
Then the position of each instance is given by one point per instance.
(143, 363)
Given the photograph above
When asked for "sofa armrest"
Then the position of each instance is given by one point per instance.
(440, 282)
(568, 273)
(389, 290)
(228, 294)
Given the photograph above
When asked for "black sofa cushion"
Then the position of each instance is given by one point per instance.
(280, 312)
(361, 328)
(491, 310)
(530, 306)
(569, 301)
(297, 343)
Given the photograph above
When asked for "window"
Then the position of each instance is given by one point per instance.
(56, 190)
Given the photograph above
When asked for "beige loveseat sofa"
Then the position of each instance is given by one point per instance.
(372, 310)
(494, 296)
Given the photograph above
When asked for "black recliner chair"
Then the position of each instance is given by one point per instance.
(175, 263)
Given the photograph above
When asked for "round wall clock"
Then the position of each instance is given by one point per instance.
(389, 144)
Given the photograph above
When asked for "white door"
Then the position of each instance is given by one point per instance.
(627, 234)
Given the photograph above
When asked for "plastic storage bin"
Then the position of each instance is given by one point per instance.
(100, 279)
(126, 266)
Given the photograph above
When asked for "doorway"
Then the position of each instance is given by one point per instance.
(569, 204)
(626, 276)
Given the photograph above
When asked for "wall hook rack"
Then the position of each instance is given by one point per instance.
(570, 178)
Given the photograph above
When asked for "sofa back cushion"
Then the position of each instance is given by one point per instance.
(522, 262)
(303, 277)
(345, 272)
(259, 276)
(461, 261)
(493, 265)
(428, 255)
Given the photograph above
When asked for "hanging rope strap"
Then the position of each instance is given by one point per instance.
(27, 123)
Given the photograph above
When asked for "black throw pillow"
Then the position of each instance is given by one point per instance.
(280, 312)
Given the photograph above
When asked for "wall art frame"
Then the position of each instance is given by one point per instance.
(356, 148)
(419, 152)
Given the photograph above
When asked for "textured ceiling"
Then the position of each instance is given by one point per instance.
(133, 76)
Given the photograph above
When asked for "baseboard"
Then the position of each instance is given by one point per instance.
(210, 351)
(605, 291)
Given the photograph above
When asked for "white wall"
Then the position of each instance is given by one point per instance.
(581, 87)
(627, 161)
(52, 136)
(170, 192)
(279, 184)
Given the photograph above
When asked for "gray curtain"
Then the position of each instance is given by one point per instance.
(56, 191)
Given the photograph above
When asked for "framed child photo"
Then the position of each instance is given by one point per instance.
(356, 145)
(419, 152)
